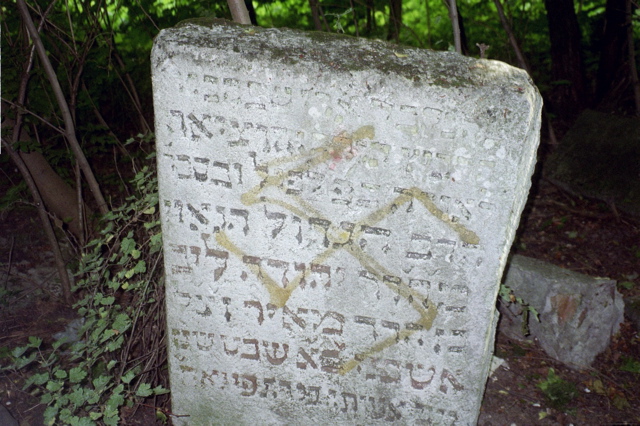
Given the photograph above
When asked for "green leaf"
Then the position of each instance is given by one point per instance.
(60, 374)
(141, 267)
(53, 386)
(24, 361)
(135, 253)
(84, 421)
(144, 390)
(150, 210)
(92, 396)
(77, 374)
(34, 342)
(111, 421)
(17, 352)
(46, 398)
(627, 284)
(150, 225)
(121, 323)
(94, 415)
(39, 379)
(128, 377)
(621, 402)
(107, 300)
(115, 344)
(78, 397)
(631, 365)
(159, 390)
(161, 417)
(155, 242)
(113, 403)
(127, 245)
(100, 382)
(66, 416)
(50, 415)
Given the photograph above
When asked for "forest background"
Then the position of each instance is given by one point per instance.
(77, 139)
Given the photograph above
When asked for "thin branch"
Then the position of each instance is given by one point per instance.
(62, 103)
(24, 110)
(44, 218)
(524, 65)
(522, 62)
(453, 16)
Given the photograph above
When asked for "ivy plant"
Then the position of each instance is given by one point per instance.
(114, 360)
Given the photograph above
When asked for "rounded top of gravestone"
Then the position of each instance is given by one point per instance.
(343, 53)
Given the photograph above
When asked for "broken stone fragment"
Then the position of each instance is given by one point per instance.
(578, 313)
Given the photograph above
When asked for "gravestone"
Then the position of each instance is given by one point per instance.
(336, 215)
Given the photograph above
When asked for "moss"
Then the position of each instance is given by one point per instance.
(339, 52)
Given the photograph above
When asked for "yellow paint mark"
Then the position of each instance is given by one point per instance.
(466, 235)
(364, 132)
(418, 301)
(279, 296)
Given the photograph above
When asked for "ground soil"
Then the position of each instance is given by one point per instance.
(579, 234)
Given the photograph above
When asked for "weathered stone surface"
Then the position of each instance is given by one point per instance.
(578, 313)
(336, 215)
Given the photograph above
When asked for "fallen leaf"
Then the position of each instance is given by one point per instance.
(621, 402)
(598, 387)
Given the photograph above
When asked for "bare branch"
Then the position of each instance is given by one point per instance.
(64, 107)
(453, 15)
(44, 218)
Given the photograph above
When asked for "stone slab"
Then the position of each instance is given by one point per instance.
(578, 314)
(337, 214)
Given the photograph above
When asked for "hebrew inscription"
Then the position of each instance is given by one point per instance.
(336, 219)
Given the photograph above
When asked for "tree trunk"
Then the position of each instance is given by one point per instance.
(457, 24)
(611, 69)
(239, 11)
(315, 14)
(252, 12)
(567, 69)
(370, 21)
(395, 20)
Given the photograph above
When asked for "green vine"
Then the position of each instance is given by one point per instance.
(114, 359)
(507, 297)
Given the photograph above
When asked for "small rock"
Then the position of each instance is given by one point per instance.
(578, 313)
